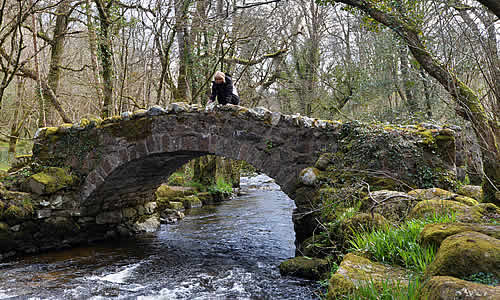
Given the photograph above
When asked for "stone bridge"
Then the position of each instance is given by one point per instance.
(119, 162)
(132, 155)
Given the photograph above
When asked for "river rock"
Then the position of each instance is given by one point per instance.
(466, 253)
(306, 267)
(149, 225)
(447, 287)
(355, 271)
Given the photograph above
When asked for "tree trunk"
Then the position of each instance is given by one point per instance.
(15, 127)
(93, 53)
(182, 92)
(56, 55)
(411, 102)
(106, 52)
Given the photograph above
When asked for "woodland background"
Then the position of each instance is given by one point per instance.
(398, 61)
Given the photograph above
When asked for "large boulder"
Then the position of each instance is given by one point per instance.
(355, 271)
(434, 234)
(446, 287)
(465, 254)
(311, 268)
(393, 205)
(48, 181)
(440, 194)
(463, 212)
(472, 191)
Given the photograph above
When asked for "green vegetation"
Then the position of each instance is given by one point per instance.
(221, 187)
(399, 246)
(483, 278)
(387, 290)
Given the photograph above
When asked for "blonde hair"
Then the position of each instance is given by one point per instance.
(220, 75)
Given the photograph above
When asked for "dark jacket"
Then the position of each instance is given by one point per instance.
(224, 92)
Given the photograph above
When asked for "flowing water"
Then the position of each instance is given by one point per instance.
(227, 251)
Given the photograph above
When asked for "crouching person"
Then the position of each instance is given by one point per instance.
(224, 90)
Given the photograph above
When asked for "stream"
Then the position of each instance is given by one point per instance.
(231, 250)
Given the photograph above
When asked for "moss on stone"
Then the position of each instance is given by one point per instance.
(466, 253)
(53, 179)
(176, 205)
(466, 200)
(4, 227)
(191, 202)
(431, 194)
(84, 122)
(363, 222)
(355, 271)
(429, 208)
(311, 268)
(171, 192)
(472, 191)
(434, 234)
(14, 212)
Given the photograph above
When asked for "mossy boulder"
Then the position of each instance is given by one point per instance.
(49, 181)
(170, 192)
(466, 253)
(176, 205)
(206, 198)
(430, 208)
(176, 180)
(394, 206)
(447, 287)
(472, 191)
(191, 202)
(323, 161)
(355, 271)
(305, 267)
(486, 212)
(363, 222)
(434, 234)
(440, 194)
(15, 213)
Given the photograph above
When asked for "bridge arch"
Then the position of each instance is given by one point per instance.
(123, 160)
